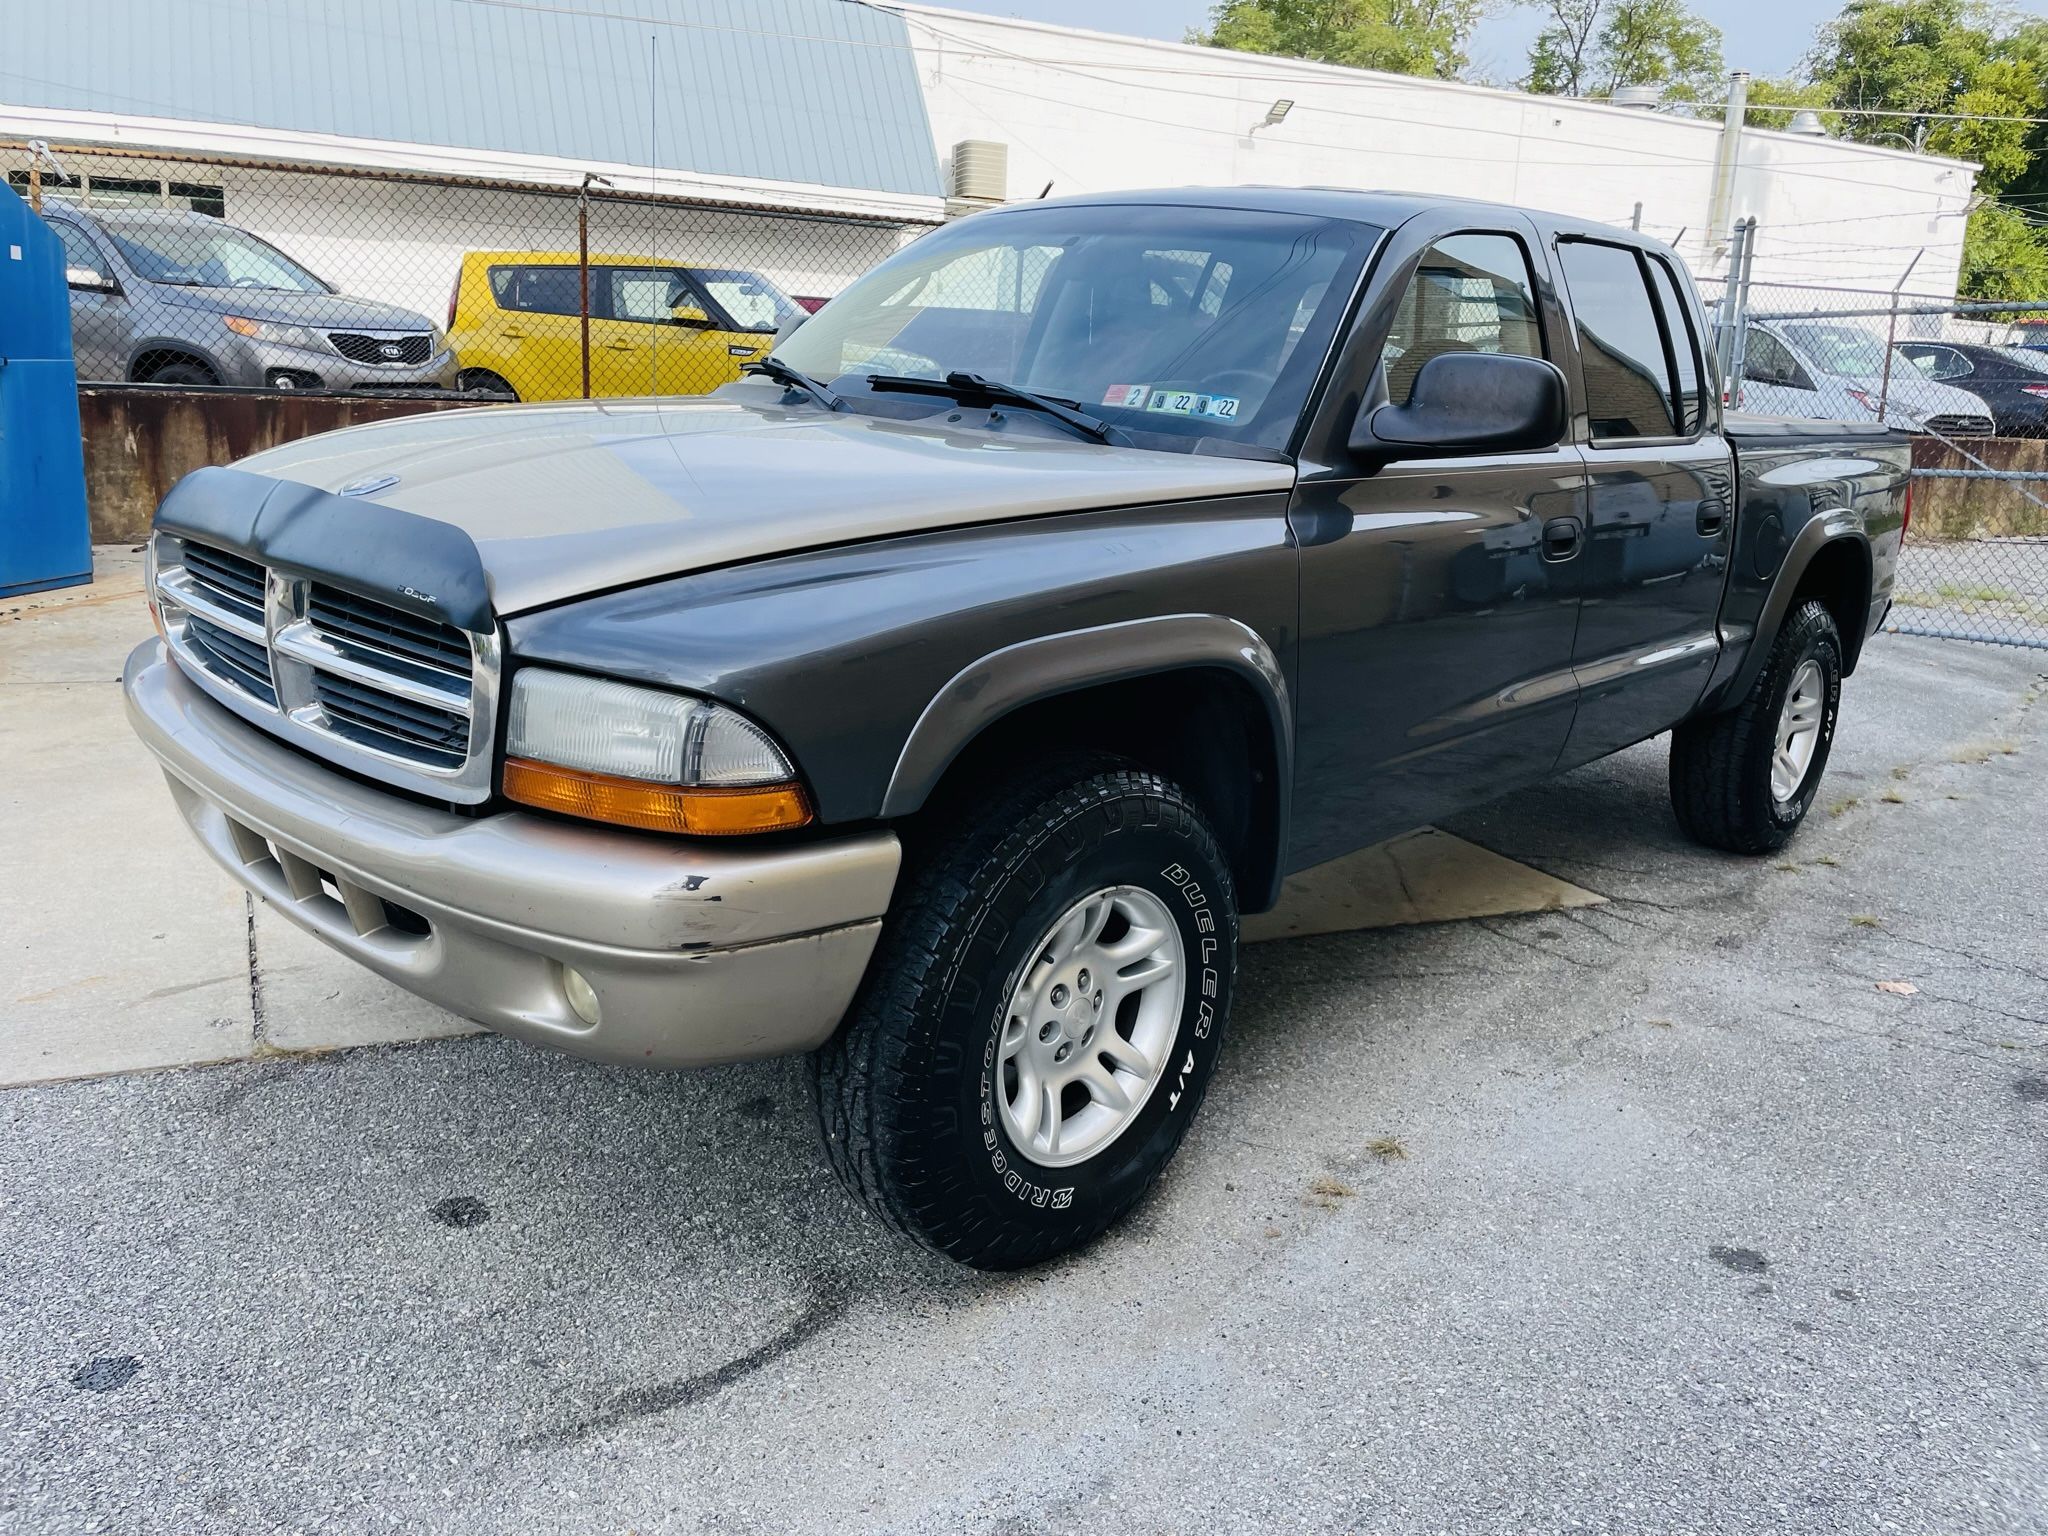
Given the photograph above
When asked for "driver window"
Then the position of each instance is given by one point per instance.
(1472, 293)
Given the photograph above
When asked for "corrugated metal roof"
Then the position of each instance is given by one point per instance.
(818, 91)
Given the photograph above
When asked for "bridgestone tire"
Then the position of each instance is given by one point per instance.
(906, 1092)
(1721, 763)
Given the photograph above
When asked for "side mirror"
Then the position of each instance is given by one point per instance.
(1470, 402)
(690, 315)
(88, 280)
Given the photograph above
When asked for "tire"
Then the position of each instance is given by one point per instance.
(481, 381)
(922, 1095)
(182, 373)
(1722, 765)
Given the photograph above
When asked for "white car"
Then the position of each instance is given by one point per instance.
(1835, 370)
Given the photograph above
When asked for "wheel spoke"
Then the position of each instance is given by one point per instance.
(1143, 972)
(1015, 1032)
(1029, 1103)
(1103, 1087)
(1048, 1095)
(1126, 1054)
(1082, 927)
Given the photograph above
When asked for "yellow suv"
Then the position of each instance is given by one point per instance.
(656, 328)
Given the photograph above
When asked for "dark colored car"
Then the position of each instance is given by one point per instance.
(2012, 381)
(935, 703)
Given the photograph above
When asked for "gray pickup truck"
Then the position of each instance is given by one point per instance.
(936, 701)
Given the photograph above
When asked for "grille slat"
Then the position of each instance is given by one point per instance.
(236, 582)
(231, 657)
(382, 627)
(1960, 426)
(436, 733)
(357, 348)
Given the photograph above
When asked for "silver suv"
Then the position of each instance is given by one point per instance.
(166, 297)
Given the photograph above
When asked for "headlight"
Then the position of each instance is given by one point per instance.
(270, 330)
(640, 757)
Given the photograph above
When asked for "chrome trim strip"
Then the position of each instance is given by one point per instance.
(302, 641)
(182, 588)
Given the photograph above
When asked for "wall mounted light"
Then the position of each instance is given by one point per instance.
(1276, 114)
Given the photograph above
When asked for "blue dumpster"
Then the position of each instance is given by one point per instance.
(44, 540)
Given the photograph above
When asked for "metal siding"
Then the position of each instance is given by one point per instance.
(819, 91)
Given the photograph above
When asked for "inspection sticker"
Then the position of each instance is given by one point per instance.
(1188, 402)
(1132, 395)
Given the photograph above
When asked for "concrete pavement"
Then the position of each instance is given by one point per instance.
(1656, 1215)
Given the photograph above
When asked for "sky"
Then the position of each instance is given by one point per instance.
(1765, 37)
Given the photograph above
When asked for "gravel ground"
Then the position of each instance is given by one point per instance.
(1684, 1226)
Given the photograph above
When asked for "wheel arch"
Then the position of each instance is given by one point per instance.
(1829, 559)
(1198, 697)
(162, 351)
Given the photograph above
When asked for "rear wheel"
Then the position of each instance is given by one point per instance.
(1040, 1019)
(1744, 779)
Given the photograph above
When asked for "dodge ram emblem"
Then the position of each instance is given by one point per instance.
(369, 485)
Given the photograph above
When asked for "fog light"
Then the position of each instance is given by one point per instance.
(581, 997)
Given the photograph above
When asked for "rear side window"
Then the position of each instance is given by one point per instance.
(79, 251)
(1629, 383)
(1472, 293)
(1767, 360)
(1688, 398)
(540, 290)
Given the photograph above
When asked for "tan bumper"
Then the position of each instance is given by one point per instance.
(697, 952)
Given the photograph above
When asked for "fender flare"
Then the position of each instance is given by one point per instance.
(1835, 525)
(984, 691)
(178, 344)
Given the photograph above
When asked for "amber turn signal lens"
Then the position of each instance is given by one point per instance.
(655, 807)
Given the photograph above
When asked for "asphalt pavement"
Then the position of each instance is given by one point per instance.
(1659, 1215)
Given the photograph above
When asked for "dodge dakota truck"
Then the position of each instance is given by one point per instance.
(936, 699)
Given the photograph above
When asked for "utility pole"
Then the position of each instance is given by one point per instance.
(1726, 161)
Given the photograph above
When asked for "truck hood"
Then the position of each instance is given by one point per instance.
(564, 500)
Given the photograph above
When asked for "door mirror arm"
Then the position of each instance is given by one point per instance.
(1469, 402)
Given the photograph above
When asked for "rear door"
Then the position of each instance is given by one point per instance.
(1661, 493)
(1437, 606)
(535, 330)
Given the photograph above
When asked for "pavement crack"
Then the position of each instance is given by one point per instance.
(259, 1028)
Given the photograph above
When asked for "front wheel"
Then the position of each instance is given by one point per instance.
(1744, 779)
(1040, 1019)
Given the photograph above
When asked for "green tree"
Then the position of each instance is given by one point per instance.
(1939, 75)
(1595, 47)
(1772, 102)
(1404, 37)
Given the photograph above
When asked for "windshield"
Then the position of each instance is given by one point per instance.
(754, 303)
(1175, 324)
(196, 255)
(1847, 351)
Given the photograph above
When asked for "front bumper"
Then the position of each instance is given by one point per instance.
(257, 362)
(697, 952)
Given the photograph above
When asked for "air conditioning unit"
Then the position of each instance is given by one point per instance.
(981, 175)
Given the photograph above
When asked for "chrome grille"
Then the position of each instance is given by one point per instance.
(244, 663)
(388, 629)
(393, 694)
(389, 351)
(1960, 425)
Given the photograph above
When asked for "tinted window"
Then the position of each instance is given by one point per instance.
(1768, 360)
(1938, 362)
(540, 290)
(1688, 400)
(1472, 293)
(1621, 349)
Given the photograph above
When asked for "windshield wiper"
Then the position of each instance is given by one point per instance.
(775, 368)
(966, 384)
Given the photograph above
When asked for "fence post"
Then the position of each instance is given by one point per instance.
(1740, 350)
(1724, 348)
(583, 274)
(1891, 336)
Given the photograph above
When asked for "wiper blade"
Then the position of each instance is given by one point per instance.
(775, 368)
(963, 384)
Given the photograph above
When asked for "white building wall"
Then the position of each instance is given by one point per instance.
(1091, 112)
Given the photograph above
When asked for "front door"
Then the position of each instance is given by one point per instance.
(99, 310)
(1661, 489)
(1437, 611)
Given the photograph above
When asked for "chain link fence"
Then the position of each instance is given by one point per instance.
(210, 273)
(1970, 381)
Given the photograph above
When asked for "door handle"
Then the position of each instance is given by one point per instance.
(1561, 536)
(513, 335)
(1711, 517)
(619, 346)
